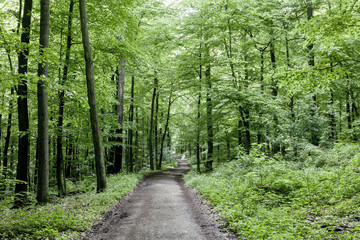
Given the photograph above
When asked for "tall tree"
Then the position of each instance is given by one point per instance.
(150, 141)
(23, 115)
(199, 116)
(156, 130)
(165, 132)
(60, 168)
(120, 116)
(90, 81)
(209, 109)
(43, 119)
(131, 120)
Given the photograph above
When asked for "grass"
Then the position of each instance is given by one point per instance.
(316, 197)
(69, 217)
(65, 218)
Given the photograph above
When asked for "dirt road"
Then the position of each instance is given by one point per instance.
(161, 208)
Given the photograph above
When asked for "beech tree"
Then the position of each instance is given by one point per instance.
(90, 82)
(22, 105)
(43, 121)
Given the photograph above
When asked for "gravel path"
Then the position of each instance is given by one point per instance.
(161, 208)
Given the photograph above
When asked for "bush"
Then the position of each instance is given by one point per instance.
(65, 218)
(263, 198)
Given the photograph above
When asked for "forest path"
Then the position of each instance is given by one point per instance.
(161, 208)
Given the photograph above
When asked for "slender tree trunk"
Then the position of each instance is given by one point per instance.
(274, 86)
(332, 117)
(43, 116)
(142, 142)
(198, 161)
(151, 125)
(60, 168)
(260, 134)
(210, 131)
(228, 146)
(348, 110)
(311, 61)
(315, 138)
(164, 134)
(156, 147)
(7, 136)
(245, 115)
(131, 120)
(9, 119)
(136, 147)
(23, 115)
(120, 116)
(240, 126)
(332, 113)
(99, 156)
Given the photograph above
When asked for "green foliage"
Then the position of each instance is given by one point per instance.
(263, 198)
(65, 218)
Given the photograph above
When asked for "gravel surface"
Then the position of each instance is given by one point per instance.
(161, 207)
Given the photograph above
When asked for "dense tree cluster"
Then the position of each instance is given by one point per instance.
(203, 77)
(280, 74)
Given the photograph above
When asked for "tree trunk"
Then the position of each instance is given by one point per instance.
(165, 131)
(142, 143)
(315, 138)
(245, 115)
(23, 116)
(332, 113)
(136, 148)
(7, 136)
(99, 157)
(120, 116)
(156, 147)
(348, 110)
(9, 119)
(198, 161)
(274, 86)
(260, 134)
(332, 117)
(210, 131)
(131, 120)
(151, 125)
(311, 61)
(43, 116)
(60, 174)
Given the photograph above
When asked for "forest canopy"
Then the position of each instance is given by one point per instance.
(103, 87)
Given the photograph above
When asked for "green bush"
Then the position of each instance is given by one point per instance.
(263, 198)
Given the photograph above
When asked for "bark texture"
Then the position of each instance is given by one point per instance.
(42, 195)
(151, 126)
(60, 167)
(99, 156)
(210, 130)
(23, 119)
(120, 116)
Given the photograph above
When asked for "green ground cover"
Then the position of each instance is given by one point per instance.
(316, 196)
(65, 218)
(68, 217)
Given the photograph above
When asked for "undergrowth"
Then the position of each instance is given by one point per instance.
(259, 197)
(65, 218)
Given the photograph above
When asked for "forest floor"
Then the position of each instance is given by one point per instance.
(161, 207)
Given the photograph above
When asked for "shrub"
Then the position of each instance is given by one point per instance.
(263, 198)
